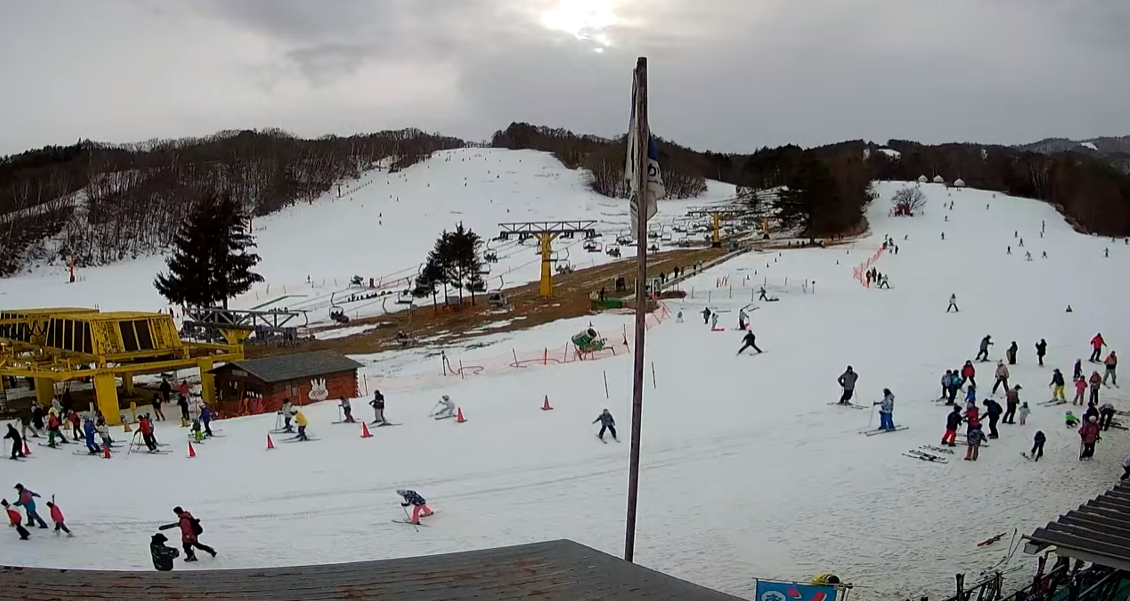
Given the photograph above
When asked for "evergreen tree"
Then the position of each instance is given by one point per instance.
(430, 277)
(454, 261)
(810, 197)
(211, 262)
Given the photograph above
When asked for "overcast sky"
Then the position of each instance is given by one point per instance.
(728, 75)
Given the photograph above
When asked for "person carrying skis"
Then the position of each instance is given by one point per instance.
(446, 408)
(162, 555)
(1089, 435)
(378, 405)
(1080, 390)
(1057, 385)
(1096, 381)
(145, 426)
(968, 373)
(847, 382)
(886, 410)
(606, 423)
(1002, 377)
(1041, 350)
(1097, 344)
(1038, 445)
(993, 410)
(953, 420)
(983, 353)
(953, 297)
(190, 531)
(26, 499)
(300, 420)
(88, 428)
(287, 412)
(1010, 354)
(749, 341)
(419, 504)
(1106, 416)
(974, 439)
(15, 520)
(1024, 413)
(17, 442)
(347, 409)
(1111, 363)
(1011, 402)
(57, 517)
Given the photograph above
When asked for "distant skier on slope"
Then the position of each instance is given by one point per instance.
(1041, 350)
(1097, 344)
(347, 409)
(446, 408)
(886, 410)
(847, 382)
(983, 353)
(749, 341)
(606, 423)
(1001, 377)
(378, 405)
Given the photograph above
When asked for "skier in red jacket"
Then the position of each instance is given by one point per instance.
(1097, 344)
(15, 520)
(190, 530)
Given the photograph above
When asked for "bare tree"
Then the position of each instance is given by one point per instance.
(908, 201)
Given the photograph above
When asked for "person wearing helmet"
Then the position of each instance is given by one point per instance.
(419, 504)
(446, 408)
(847, 382)
(1089, 435)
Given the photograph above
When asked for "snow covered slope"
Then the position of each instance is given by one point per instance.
(382, 228)
(748, 472)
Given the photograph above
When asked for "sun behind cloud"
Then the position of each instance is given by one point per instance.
(586, 20)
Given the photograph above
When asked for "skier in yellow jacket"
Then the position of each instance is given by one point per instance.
(300, 420)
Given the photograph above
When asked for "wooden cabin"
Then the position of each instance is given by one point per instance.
(261, 385)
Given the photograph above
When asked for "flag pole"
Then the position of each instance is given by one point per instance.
(642, 134)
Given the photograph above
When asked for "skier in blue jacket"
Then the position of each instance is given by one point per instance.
(206, 418)
(89, 431)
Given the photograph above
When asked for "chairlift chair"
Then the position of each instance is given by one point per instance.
(338, 314)
(404, 297)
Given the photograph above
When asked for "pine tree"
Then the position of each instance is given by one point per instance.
(211, 262)
(809, 197)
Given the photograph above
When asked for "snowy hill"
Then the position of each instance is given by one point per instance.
(748, 472)
(382, 228)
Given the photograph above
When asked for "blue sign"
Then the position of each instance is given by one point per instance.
(770, 590)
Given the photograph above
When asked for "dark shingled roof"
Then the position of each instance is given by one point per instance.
(296, 366)
(551, 571)
(1097, 532)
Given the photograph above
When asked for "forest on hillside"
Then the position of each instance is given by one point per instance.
(99, 203)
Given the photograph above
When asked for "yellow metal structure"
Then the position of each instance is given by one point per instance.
(57, 345)
(717, 215)
(545, 242)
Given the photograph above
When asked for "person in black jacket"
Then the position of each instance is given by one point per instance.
(163, 556)
(1041, 350)
(606, 423)
(953, 421)
(17, 441)
(994, 410)
(378, 405)
(1038, 445)
(750, 341)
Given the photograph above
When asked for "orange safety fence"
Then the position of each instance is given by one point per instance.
(515, 360)
(859, 272)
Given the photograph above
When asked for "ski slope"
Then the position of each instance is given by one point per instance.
(747, 472)
(381, 228)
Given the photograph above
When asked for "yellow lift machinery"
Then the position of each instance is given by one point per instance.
(717, 214)
(546, 232)
(63, 344)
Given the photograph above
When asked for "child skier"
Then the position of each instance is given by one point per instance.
(347, 409)
(103, 432)
(972, 417)
(190, 530)
(1024, 412)
(378, 405)
(1089, 435)
(446, 408)
(287, 412)
(300, 419)
(606, 423)
(206, 419)
(197, 432)
(953, 420)
(967, 373)
(1077, 371)
(57, 517)
(26, 499)
(419, 504)
(749, 341)
(974, 439)
(1056, 385)
(15, 520)
(846, 380)
(163, 556)
(886, 410)
(1080, 389)
(1070, 420)
(1038, 445)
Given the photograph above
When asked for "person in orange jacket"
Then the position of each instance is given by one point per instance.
(1097, 344)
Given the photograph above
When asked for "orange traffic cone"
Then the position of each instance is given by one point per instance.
(270, 443)
(365, 433)
(545, 406)
(191, 451)
(459, 416)
(105, 451)
(27, 449)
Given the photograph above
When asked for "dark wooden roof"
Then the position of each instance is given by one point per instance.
(1098, 532)
(551, 571)
(283, 368)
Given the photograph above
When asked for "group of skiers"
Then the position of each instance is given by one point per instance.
(25, 498)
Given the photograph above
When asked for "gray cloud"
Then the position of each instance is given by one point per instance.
(725, 74)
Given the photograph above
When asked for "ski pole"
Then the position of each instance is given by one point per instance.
(408, 518)
(871, 418)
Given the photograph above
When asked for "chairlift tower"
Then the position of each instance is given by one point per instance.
(546, 232)
(718, 214)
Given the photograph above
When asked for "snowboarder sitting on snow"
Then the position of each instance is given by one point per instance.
(1070, 420)
(606, 423)
(17, 441)
(749, 341)
(847, 381)
(446, 408)
(886, 410)
(163, 556)
(419, 504)
(190, 530)
(347, 409)
(953, 420)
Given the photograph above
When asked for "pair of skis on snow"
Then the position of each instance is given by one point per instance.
(852, 405)
(883, 430)
(924, 456)
(409, 522)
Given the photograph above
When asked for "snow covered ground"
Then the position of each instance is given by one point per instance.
(747, 471)
(382, 228)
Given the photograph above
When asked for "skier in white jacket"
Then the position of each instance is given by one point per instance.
(446, 408)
